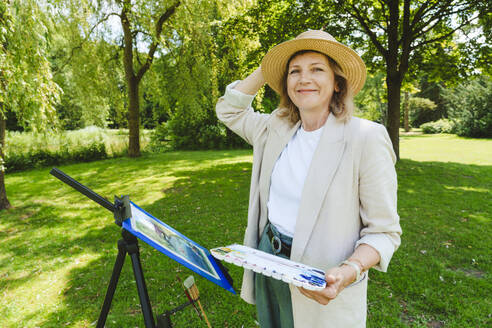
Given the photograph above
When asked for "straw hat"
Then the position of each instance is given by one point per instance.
(274, 63)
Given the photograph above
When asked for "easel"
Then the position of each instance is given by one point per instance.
(127, 245)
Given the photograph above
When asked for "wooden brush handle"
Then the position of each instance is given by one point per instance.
(204, 315)
(193, 290)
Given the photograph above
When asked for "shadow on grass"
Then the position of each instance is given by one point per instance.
(209, 206)
(440, 204)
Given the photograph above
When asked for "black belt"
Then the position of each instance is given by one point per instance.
(278, 246)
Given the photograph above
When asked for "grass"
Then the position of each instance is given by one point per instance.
(446, 148)
(57, 248)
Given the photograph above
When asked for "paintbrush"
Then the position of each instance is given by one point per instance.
(190, 286)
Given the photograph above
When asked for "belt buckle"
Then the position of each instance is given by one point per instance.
(276, 241)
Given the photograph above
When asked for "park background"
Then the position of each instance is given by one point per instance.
(121, 95)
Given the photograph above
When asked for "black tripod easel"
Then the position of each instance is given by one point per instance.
(128, 244)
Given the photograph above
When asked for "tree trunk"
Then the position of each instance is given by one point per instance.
(393, 126)
(393, 77)
(4, 202)
(132, 82)
(133, 118)
(405, 113)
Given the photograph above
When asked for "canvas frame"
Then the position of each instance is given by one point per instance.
(175, 245)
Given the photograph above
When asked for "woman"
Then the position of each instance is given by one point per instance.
(323, 185)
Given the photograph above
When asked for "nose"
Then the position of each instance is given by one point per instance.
(304, 78)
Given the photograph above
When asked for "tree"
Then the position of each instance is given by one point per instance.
(131, 28)
(86, 59)
(93, 90)
(407, 89)
(397, 30)
(395, 36)
(140, 36)
(370, 102)
(26, 85)
(187, 80)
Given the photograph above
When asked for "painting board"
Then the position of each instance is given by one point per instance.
(175, 245)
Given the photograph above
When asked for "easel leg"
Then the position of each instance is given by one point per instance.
(118, 265)
(141, 286)
(129, 244)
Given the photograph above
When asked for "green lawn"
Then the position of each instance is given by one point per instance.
(57, 248)
(446, 148)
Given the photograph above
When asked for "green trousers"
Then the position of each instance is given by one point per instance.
(273, 303)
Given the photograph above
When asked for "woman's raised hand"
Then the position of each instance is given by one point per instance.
(251, 84)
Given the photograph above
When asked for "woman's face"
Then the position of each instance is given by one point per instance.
(310, 82)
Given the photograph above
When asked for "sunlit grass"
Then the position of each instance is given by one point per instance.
(446, 148)
(57, 248)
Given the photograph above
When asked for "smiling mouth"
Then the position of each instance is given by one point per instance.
(307, 91)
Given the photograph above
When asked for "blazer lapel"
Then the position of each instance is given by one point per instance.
(324, 165)
(280, 136)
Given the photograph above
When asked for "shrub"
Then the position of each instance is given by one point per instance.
(194, 128)
(440, 126)
(421, 110)
(26, 150)
(470, 107)
(159, 138)
(18, 161)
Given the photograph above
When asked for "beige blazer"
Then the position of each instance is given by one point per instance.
(349, 198)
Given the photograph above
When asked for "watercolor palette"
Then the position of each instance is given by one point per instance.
(273, 266)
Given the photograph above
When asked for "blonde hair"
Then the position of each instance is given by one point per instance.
(342, 101)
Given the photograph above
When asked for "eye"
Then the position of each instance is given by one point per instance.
(293, 71)
(318, 69)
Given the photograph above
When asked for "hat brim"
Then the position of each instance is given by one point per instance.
(274, 63)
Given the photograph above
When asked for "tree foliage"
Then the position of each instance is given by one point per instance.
(470, 107)
(128, 43)
(202, 58)
(26, 82)
(196, 54)
(26, 85)
(371, 100)
(94, 90)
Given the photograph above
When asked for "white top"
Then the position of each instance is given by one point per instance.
(287, 181)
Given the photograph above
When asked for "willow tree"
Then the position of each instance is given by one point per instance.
(26, 86)
(202, 57)
(139, 35)
(89, 70)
